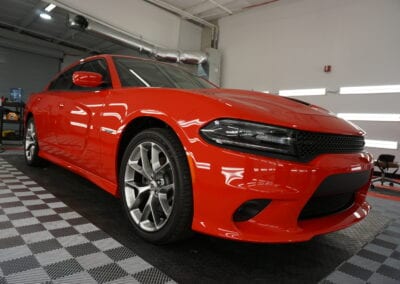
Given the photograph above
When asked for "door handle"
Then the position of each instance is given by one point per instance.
(61, 105)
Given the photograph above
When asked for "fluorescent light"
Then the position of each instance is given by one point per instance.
(381, 144)
(302, 92)
(45, 16)
(50, 7)
(370, 116)
(382, 89)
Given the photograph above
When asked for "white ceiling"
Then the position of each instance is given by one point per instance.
(20, 21)
(214, 9)
(20, 18)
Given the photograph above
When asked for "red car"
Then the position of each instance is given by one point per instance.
(186, 156)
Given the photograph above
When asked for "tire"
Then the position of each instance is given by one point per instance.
(31, 145)
(156, 188)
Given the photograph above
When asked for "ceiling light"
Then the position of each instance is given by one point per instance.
(381, 144)
(382, 89)
(50, 7)
(45, 16)
(370, 116)
(302, 92)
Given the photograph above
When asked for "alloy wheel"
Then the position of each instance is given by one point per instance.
(30, 141)
(149, 186)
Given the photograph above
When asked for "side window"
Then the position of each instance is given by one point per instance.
(152, 74)
(182, 79)
(126, 76)
(98, 66)
(138, 73)
(64, 80)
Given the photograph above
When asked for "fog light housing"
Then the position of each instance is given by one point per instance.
(249, 209)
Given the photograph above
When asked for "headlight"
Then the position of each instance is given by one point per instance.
(250, 136)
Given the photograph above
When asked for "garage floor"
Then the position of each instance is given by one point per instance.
(55, 225)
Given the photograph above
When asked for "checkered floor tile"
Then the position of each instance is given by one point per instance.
(14, 148)
(379, 260)
(43, 240)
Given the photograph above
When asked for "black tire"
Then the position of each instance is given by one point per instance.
(31, 145)
(168, 198)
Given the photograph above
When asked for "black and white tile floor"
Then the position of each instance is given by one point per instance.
(43, 240)
(379, 260)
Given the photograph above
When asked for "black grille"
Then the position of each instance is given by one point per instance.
(311, 144)
(325, 205)
(334, 194)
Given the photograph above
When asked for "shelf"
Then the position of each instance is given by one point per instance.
(17, 107)
(11, 121)
(13, 104)
(12, 139)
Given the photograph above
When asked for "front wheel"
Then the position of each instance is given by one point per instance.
(155, 186)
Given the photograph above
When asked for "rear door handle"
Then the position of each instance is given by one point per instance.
(61, 105)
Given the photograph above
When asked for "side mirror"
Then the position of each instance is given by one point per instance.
(87, 79)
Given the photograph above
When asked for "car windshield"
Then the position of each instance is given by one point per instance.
(145, 73)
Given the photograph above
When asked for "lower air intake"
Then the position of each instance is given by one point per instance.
(336, 193)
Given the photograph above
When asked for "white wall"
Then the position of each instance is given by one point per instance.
(285, 45)
(189, 36)
(139, 19)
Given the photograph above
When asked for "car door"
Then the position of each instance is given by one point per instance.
(46, 111)
(79, 111)
(42, 105)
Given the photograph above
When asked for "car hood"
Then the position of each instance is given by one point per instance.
(281, 111)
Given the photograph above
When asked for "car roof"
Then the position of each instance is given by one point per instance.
(115, 55)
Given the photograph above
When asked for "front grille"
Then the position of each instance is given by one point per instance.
(311, 144)
(334, 194)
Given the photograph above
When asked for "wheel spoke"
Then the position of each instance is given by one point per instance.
(136, 194)
(155, 203)
(163, 200)
(140, 188)
(149, 213)
(146, 213)
(33, 135)
(155, 158)
(28, 145)
(166, 188)
(136, 167)
(159, 169)
(130, 197)
(146, 166)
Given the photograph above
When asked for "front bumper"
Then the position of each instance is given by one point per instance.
(223, 180)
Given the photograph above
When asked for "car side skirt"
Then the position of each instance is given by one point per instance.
(108, 186)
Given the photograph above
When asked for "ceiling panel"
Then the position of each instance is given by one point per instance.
(22, 18)
(215, 9)
(185, 4)
(14, 11)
